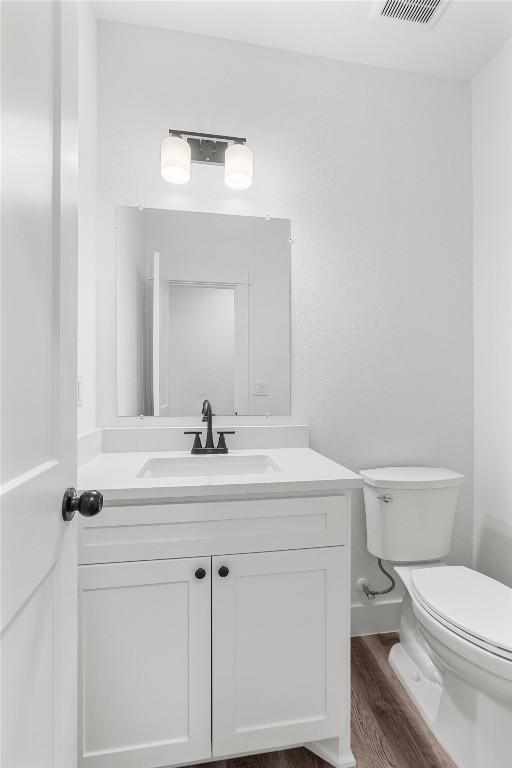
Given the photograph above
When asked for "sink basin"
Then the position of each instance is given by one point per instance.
(209, 466)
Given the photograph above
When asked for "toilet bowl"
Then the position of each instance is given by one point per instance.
(454, 657)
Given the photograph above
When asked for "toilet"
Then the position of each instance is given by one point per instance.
(454, 657)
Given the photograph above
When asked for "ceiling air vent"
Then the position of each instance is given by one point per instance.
(425, 12)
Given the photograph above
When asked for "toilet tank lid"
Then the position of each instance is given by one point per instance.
(411, 477)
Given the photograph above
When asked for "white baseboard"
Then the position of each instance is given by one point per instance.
(374, 618)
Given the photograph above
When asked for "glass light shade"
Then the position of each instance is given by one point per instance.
(238, 166)
(175, 159)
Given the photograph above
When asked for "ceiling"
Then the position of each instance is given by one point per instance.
(466, 36)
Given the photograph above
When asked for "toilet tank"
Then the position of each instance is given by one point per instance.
(410, 511)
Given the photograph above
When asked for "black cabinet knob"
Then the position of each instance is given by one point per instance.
(223, 571)
(88, 503)
(200, 573)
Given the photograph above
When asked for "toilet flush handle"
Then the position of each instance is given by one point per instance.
(386, 498)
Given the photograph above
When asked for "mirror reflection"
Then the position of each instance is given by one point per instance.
(203, 303)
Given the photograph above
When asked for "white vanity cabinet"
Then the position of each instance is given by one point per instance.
(213, 628)
(278, 649)
(144, 664)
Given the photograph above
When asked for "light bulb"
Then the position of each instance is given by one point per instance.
(238, 166)
(175, 159)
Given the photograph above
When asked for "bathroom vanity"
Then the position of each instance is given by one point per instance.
(213, 589)
(214, 607)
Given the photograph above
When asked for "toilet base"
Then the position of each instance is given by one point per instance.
(425, 694)
(474, 728)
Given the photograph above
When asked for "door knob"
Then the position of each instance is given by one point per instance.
(200, 573)
(88, 503)
(223, 571)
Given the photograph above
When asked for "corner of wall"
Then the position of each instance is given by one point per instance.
(491, 91)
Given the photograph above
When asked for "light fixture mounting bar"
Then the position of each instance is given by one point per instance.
(208, 148)
(212, 136)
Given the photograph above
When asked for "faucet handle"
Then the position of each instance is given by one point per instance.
(221, 445)
(197, 439)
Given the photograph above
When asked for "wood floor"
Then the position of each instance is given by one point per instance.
(387, 731)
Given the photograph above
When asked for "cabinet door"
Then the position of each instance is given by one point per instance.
(280, 649)
(144, 664)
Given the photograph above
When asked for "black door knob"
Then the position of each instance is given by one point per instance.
(223, 571)
(200, 573)
(88, 503)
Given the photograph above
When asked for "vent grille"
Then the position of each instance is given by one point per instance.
(418, 11)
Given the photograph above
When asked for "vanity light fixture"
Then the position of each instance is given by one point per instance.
(181, 148)
(175, 158)
(238, 166)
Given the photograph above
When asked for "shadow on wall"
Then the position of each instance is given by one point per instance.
(494, 550)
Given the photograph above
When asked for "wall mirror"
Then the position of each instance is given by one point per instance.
(203, 311)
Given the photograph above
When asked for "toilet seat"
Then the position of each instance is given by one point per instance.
(469, 604)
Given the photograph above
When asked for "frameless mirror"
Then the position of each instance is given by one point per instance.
(203, 308)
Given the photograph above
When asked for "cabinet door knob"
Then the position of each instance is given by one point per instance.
(88, 503)
(223, 571)
(200, 573)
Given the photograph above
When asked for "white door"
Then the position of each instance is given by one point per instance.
(38, 306)
(144, 663)
(201, 347)
(278, 649)
(160, 343)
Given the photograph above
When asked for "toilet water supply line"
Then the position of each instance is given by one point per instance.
(371, 593)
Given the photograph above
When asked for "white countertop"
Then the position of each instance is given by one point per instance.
(303, 471)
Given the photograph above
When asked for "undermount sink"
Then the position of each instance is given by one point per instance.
(209, 466)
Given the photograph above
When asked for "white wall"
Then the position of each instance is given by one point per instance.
(373, 167)
(87, 211)
(492, 180)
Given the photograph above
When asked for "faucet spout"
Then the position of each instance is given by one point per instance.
(207, 416)
(197, 448)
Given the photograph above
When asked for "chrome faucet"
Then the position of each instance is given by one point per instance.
(209, 447)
